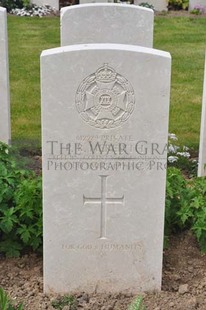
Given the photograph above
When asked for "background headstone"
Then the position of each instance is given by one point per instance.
(107, 23)
(52, 3)
(5, 134)
(159, 5)
(197, 3)
(202, 146)
(104, 126)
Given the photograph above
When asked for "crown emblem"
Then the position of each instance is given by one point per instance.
(105, 74)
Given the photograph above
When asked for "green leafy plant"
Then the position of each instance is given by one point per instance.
(11, 4)
(178, 4)
(27, 4)
(137, 304)
(198, 10)
(185, 206)
(20, 206)
(5, 302)
(176, 198)
(193, 214)
(147, 5)
(67, 300)
(195, 12)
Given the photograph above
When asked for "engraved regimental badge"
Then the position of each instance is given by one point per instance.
(105, 99)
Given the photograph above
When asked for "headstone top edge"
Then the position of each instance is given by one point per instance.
(128, 6)
(2, 9)
(105, 46)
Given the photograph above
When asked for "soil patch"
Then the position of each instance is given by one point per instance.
(184, 282)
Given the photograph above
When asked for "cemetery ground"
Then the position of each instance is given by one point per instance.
(184, 283)
(184, 272)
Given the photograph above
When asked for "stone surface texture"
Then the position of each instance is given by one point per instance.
(4, 80)
(104, 127)
(159, 5)
(107, 23)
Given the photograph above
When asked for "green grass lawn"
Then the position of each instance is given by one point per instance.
(183, 37)
(27, 38)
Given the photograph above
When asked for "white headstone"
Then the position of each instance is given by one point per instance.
(52, 3)
(5, 134)
(107, 23)
(104, 127)
(159, 5)
(197, 3)
(202, 146)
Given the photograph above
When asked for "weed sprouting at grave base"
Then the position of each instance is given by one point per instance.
(137, 304)
(71, 302)
(6, 303)
(67, 300)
